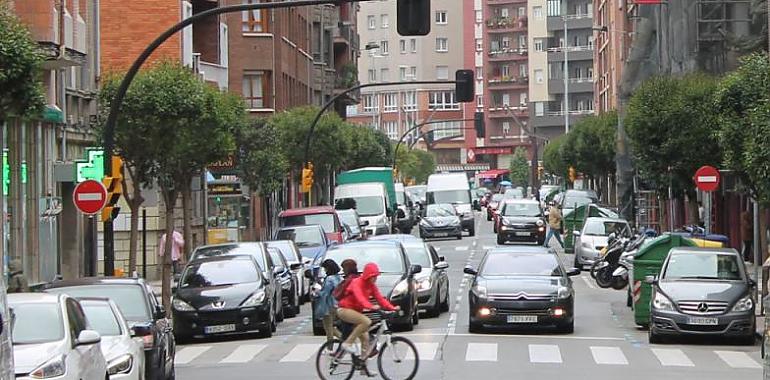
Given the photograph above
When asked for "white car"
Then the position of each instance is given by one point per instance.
(124, 355)
(6, 348)
(52, 339)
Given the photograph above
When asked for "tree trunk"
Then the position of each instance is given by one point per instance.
(187, 216)
(692, 204)
(169, 198)
(134, 202)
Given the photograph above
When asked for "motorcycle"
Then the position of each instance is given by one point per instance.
(625, 262)
(604, 268)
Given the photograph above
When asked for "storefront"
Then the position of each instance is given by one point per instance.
(228, 214)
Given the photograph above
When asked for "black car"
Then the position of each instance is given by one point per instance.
(142, 311)
(291, 253)
(396, 281)
(521, 220)
(220, 295)
(258, 251)
(290, 299)
(521, 286)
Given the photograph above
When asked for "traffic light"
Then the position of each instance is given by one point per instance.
(429, 138)
(572, 174)
(540, 172)
(464, 91)
(307, 178)
(478, 124)
(114, 186)
(413, 17)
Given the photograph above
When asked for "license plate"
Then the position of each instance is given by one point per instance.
(441, 234)
(703, 321)
(522, 319)
(522, 234)
(219, 329)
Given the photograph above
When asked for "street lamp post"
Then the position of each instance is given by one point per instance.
(566, 73)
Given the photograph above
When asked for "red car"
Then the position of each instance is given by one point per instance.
(324, 216)
(493, 204)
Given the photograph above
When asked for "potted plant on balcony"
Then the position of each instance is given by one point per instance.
(347, 76)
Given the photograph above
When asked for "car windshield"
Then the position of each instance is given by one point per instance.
(400, 198)
(416, 192)
(521, 209)
(387, 258)
(575, 201)
(276, 256)
(253, 250)
(131, 299)
(418, 254)
(497, 197)
(326, 221)
(101, 318)
(520, 264)
(449, 196)
(285, 249)
(513, 194)
(440, 210)
(219, 273)
(302, 237)
(365, 206)
(37, 323)
(604, 228)
(349, 218)
(703, 266)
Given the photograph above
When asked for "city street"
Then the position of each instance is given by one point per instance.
(605, 344)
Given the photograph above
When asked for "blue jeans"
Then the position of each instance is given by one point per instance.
(552, 232)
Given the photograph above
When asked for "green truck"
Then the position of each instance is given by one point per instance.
(372, 193)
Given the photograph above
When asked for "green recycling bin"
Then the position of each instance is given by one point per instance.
(648, 262)
(575, 219)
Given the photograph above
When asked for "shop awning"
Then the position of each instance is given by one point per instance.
(493, 173)
(53, 114)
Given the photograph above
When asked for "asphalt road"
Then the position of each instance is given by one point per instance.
(605, 344)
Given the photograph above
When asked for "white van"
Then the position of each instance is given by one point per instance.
(370, 200)
(453, 188)
(6, 348)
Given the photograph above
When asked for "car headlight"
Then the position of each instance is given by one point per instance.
(744, 304)
(540, 223)
(121, 364)
(255, 299)
(53, 368)
(455, 222)
(479, 291)
(662, 302)
(564, 292)
(400, 289)
(180, 305)
(506, 222)
(424, 284)
(424, 223)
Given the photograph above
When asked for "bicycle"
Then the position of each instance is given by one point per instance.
(333, 362)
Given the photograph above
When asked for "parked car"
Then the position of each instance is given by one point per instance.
(141, 309)
(6, 347)
(441, 220)
(593, 238)
(291, 253)
(521, 220)
(221, 295)
(396, 281)
(310, 240)
(52, 339)
(405, 222)
(521, 286)
(572, 199)
(324, 216)
(125, 358)
(702, 291)
(353, 222)
(493, 204)
(258, 251)
(289, 282)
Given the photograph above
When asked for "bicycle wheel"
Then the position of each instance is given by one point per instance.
(398, 360)
(329, 367)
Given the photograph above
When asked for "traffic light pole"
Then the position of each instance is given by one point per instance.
(416, 127)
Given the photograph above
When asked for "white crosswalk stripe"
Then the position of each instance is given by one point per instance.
(608, 355)
(244, 353)
(544, 353)
(736, 359)
(301, 353)
(672, 357)
(484, 352)
(188, 354)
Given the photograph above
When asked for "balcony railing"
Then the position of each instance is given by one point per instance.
(571, 112)
(560, 49)
(508, 80)
(214, 73)
(508, 53)
(507, 23)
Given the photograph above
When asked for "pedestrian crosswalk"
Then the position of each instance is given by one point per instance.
(616, 354)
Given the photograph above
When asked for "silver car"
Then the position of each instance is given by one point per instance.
(593, 238)
(432, 280)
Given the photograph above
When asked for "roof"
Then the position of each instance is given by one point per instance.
(522, 200)
(301, 226)
(33, 298)
(96, 281)
(395, 237)
(223, 258)
(307, 211)
(365, 243)
(730, 251)
(603, 219)
(523, 249)
(493, 173)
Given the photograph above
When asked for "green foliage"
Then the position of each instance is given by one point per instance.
(20, 63)
(262, 165)
(416, 164)
(519, 167)
(670, 125)
(590, 146)
(366, 148)
(553, 162)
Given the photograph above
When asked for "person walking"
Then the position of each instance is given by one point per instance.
(554, 225)
(176, 249)
(17, 282)
(747, 235)
(326, 304)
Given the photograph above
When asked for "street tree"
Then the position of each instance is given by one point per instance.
(553, 162)
(366, 148)
(261, 163)
(420, 165)
(519, 167)
(20, 64)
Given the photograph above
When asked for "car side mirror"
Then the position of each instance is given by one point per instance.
(88, 337)
(309, 274)
(364, 223)
(410, 204)
(160, 312)
(306, 260)
(278, 269)
(576, 233)
(650, 280)
(573, 272)
(441, 258)
(470, 271)
(295, 266)
(441, 265)
(752, 283)
(140, 330)
(414, 269)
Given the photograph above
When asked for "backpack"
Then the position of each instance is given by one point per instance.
(342, 289)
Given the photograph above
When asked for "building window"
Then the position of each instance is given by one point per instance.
(372, 75)
(384, 49)
(581, 105)
(479, 44)
(539, 44)
(506, 100)
(539, 109)
(590, 73)
(370, 103)
(522, 11)
(391, 129)
(505, 71)
(255, 20)
(539, 76)
(402, 46)
(391, 102)
(537, 13)
(443, 100)
(523, 99)
(506, 128)
(523, 70)
(522, 41)
(402, 73)
(554, 7)
(479, 72)
(479, 16)
(480, 101)
(254, 89)
(442, 72)
(372, 21)
(413, 45)
(441, 17)
(447, 130)
(504, 12)
(384, 75)
(413, 73)
(384, 21)
(410, 101)
(506, 42)
(442, 44)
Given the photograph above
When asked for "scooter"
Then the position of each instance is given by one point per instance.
(605, 267)
(625, 262)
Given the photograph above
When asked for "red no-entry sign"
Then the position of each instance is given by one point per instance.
(90, 196)
(707, 178)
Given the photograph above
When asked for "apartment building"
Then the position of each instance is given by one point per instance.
(613, 43)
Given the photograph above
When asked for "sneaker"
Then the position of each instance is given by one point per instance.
(350, 348)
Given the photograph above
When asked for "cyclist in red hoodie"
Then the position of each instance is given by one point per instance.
(356, 301)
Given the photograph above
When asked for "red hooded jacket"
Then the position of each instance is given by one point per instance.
(361, 289)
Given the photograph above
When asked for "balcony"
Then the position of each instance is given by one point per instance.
(507, 24)
(556, 85)
(506, 82)
(503, 2)
(500, 111)
(577, 21)
(574, 53)
(556, 118)
(347, 77)
(214, 73)
(507, 54)
(345, 36)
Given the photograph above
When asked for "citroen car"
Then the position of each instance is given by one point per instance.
(521, 286)
(521, 220)
(441, 220)
(702, 291)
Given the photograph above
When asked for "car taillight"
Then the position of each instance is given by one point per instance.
(148, 341)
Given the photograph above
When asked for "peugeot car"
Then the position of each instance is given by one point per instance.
(594, 236)
(521, 286)
(702, 291)
(521, 220)
(441, 220)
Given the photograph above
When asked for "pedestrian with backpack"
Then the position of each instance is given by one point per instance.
(326, 304)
